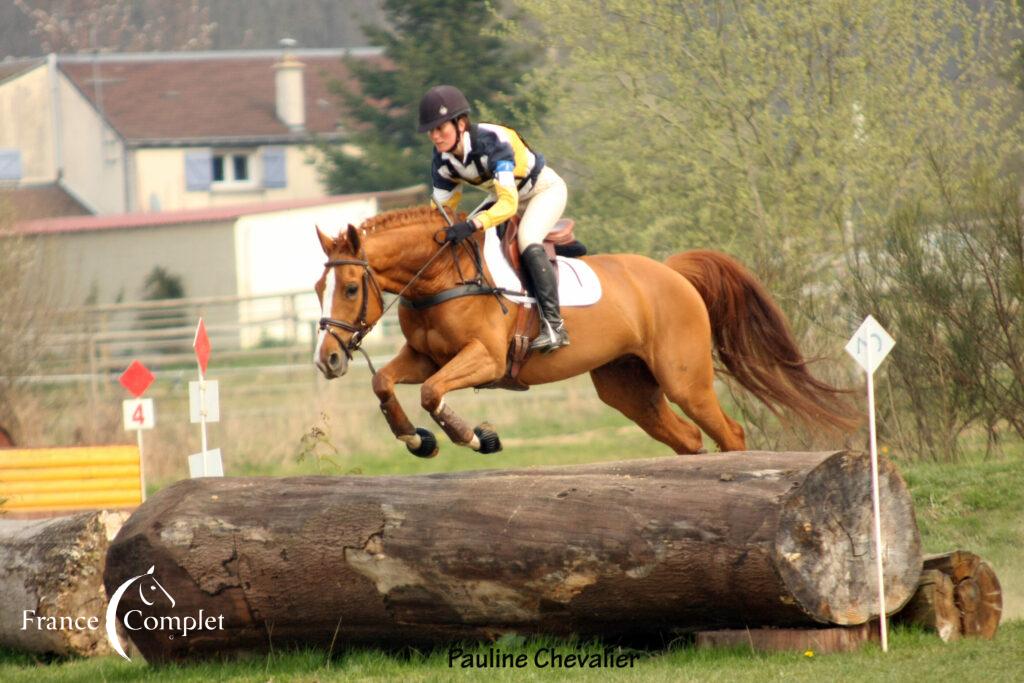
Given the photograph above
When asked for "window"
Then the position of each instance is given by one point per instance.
(230, 168)
(10, 164)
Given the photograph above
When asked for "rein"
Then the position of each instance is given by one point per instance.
(360, 327)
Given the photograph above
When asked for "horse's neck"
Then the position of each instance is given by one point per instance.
(397, 256)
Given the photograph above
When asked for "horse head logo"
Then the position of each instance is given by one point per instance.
(149, 587)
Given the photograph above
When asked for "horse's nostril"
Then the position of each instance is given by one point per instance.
(334, 361)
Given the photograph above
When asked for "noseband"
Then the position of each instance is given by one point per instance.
(360, 327)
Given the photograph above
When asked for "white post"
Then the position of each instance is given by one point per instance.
(202, 417)
(876, 507)
(142, 467)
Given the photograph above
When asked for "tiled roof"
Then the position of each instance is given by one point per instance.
(204, 215)
(33, 202)
(183, 97)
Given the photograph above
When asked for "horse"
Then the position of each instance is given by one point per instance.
(648, 340)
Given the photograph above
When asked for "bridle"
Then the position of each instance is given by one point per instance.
(361, 327)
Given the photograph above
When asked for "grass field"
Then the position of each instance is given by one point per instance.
(976, 504)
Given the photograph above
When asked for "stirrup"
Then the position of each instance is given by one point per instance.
(551, 338)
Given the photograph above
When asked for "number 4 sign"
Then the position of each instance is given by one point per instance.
(138, 414)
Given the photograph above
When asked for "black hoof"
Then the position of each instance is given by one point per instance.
(428, 444)
(489, 441)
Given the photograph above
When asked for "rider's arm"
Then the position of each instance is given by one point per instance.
(447, 192)
(496, 145)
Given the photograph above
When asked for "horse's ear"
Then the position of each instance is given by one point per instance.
(326, 243)
(353, 238)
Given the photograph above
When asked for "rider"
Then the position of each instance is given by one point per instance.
(497, 159)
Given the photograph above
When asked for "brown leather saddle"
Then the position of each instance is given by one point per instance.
(559, 242)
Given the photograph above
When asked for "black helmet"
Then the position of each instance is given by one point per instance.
(441, 103)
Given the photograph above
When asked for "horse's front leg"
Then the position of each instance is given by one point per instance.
(408, 367)
(472, 366)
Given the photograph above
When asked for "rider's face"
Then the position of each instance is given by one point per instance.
(444, 136)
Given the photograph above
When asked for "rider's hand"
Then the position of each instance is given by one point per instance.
(459, 231)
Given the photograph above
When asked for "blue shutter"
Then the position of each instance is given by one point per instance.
(10, 164)
(274, 174)
(198, 170)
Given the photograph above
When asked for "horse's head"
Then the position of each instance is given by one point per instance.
(350, 300)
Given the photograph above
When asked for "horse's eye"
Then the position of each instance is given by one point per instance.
(351, 290)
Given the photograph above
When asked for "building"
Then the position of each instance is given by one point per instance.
(149, 132)
(227, 253)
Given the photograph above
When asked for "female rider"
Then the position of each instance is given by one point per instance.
(496, 158)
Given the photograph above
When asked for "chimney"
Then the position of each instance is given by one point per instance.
(290, 92)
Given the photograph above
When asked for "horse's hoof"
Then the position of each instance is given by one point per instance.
(489, 441)
(428, 444)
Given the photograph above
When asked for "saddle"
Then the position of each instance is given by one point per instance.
(559, 242)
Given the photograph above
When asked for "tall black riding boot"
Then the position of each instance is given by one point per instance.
(552, 330)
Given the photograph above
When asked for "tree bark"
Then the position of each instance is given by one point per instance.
(53, 569)
(622, 550)
(976, 591)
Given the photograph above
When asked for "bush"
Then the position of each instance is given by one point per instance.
(947, 280)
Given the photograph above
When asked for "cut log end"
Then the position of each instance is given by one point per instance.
(976, 591)
(824, 547)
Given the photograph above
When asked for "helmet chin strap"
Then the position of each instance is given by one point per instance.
(458, 138)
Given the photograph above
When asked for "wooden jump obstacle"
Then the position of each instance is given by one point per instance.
(640, 549)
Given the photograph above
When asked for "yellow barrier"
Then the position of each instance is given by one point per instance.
(63, 479)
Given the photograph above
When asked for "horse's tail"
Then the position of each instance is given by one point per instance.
(754, 342)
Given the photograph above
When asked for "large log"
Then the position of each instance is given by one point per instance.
(640, 548)
(51, 586)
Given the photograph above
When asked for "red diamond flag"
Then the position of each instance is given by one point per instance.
(202, 347)
(136, 378)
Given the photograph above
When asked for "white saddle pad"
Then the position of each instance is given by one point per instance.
(577, 282)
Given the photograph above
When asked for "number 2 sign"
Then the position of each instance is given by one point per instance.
(138, 414)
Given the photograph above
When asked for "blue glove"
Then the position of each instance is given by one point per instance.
(459, 232)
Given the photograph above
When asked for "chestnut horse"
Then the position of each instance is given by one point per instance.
(646, 342)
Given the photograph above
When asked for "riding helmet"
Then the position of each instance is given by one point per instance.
(441, 103)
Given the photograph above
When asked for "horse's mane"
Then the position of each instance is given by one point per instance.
(399, 218)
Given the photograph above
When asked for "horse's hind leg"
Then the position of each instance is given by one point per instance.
(687, 378)
(628, 385)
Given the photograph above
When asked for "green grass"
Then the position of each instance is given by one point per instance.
(912, 654)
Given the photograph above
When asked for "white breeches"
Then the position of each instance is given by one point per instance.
(541, 208)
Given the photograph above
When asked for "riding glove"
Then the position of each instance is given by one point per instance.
(459, 232)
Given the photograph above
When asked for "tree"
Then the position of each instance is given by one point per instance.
(127, 25)
(765, 127)
(792, 135)
(428, 43)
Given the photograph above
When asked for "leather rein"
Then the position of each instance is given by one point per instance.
(360, 327)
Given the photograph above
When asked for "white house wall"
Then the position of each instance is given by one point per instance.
(279, 252)
(112, 265)
(26, 114)
(159, 181)
(93, 154)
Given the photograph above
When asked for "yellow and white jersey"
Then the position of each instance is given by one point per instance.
(494, 158)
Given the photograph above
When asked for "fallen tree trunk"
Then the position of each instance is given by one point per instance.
(640, 548)
(51, 585)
